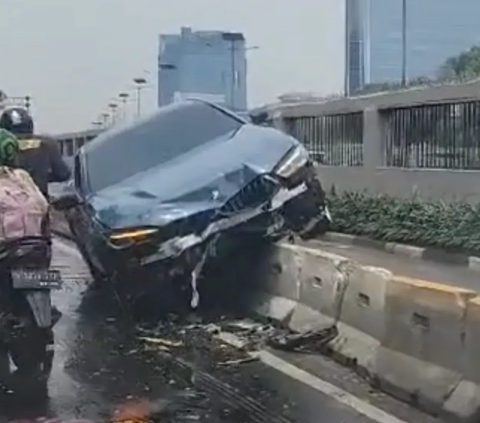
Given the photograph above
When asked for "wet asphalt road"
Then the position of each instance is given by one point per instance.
(103, 372)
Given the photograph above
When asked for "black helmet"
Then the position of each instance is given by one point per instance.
(17, 120)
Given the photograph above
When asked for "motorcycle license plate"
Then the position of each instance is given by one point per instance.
(36, 279)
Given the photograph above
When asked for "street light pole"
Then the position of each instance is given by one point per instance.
(104, 117)
(124, 97)
(113, 107)
(404, 43)
(233, 38)
(140, 84)
(234, 70)
(234, 74)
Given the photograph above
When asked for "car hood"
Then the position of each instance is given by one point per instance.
(199, 181)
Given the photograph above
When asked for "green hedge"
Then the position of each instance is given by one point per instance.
(448, 226)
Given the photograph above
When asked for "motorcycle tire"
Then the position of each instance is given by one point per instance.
(33, 354)
(4, 368)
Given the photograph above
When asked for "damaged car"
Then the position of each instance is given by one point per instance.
(186, 185)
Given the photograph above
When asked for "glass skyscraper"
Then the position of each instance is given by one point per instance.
(436, 30)
(356, 60)
(203, 64)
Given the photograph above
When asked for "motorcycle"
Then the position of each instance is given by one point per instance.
(26, 314)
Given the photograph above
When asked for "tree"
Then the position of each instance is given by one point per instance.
(466, 65)
(394, 86)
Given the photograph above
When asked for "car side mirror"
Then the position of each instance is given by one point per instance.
(66, 199)
(65, 202)
(259, 119)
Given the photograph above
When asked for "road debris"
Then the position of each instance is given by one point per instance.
(209, 251)
(161, 341)
(233, 340)
(239, 361)
(310, 341)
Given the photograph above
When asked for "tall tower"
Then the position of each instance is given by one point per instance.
(356, 21)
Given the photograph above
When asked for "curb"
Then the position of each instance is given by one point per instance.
(405, 250)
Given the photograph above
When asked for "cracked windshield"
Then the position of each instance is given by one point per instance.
(217, 212)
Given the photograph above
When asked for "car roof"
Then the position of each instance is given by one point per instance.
(113, 132)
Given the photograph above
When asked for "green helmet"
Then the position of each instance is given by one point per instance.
(9, 148)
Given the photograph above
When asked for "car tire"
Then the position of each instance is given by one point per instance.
(96, 273)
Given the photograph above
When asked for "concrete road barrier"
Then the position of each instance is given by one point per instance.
(417, 340)
(312, 282)
(465, 398)
(362, 322)
(423, 345)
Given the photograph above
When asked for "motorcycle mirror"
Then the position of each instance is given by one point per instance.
(65, 202)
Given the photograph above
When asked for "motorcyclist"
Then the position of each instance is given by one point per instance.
(10, 151)
(38, 155)
(12, 155)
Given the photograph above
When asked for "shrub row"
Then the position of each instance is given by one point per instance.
(447, 226)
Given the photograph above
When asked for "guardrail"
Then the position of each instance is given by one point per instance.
(424, 140)
(71, 142)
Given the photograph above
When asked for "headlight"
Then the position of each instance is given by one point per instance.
(127, 237)
(294, 161)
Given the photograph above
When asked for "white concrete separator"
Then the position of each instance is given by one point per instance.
(415, 339)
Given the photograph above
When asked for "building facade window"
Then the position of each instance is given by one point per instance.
(203, 64)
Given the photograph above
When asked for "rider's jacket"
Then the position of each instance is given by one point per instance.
(41, 157)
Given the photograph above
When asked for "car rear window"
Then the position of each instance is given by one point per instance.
(174, 130)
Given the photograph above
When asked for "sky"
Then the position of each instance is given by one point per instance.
(74, 57)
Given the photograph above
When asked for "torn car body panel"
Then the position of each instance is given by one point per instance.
(169, 188)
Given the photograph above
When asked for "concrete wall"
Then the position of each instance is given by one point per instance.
(449, 185)
(374, 175)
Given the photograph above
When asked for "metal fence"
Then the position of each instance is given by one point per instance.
(440, 136)
(335, 140)
(70, 143)
(7, 101)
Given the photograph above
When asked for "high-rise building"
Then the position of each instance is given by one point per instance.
(203, 64)
(435, 31)
(356, 48)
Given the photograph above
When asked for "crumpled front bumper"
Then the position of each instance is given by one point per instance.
(289, 210)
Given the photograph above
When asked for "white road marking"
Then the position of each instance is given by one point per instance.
(338, 394)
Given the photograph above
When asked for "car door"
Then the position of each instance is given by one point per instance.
(81, 219)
